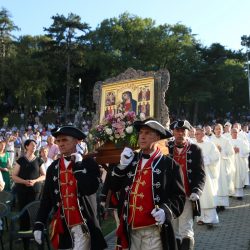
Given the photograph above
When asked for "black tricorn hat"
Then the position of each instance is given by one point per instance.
(180, 124)
(70, 131)
(155, 125)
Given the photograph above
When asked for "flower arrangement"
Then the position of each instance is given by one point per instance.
(117, 128)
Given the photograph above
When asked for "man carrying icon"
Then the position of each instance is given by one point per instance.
(151, 192)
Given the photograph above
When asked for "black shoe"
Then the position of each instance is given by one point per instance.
(178, 241)
(239, 198)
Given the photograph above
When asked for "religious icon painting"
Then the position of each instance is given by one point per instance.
(143, 93)
(129, 95)
(110, 98)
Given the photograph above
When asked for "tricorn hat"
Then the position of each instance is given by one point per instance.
(155, 125)
(180, 124)
(70, 131)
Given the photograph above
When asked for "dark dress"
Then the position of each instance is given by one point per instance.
(29, 170)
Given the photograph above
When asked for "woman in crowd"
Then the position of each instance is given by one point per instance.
(5, 165)
(28, 174)
(44, 155)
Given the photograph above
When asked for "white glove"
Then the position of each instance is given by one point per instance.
(77, 157)
(159, 215)
(127, 156)
(194, 197)
(38, 236)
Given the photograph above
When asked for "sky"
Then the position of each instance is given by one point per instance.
(213, 21)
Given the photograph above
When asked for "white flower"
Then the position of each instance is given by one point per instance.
(117, 136)
(129, 129)
(116, 128)
(108, 131)
(122, 135)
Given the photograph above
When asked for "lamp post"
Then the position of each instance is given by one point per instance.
(245, 41)
(79, 94)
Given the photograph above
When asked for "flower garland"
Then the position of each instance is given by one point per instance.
(117, 128)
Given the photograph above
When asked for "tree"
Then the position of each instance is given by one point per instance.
(6, 27)
(245, 41)
(223, 72)
(6, 47)
(30, 72)
(66, 35)
(131, 41)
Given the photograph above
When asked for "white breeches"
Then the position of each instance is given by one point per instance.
(147, 238)
(183, 225)
(81, 240)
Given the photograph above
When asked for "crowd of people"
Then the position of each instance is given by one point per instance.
(158, 195)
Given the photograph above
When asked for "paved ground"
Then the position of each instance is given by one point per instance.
(232, 233)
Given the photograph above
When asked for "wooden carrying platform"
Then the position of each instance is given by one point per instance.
(109, 153)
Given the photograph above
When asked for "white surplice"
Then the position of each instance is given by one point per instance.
(241, 165)
(225, 178)
(208, 199)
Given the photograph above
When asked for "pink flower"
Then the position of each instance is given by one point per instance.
(117, 128)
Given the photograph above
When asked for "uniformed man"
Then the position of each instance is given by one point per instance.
(70, 187)
(151, 192)
(190, 159)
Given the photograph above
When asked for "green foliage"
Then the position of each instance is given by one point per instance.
(66, 40)
(6, 27)
(45, 69)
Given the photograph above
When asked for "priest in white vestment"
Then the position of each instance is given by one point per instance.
(208, 132)
(208, 199)
(241, 134)
(241, 149)
(225, 179)
(244, 136)
(227, 130)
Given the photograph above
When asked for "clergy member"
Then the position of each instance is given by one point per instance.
(211, 158)
(225, 178)
(241, 150)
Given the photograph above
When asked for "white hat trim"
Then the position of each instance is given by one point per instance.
(154, 122)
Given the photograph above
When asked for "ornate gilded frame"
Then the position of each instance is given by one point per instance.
(158, 83)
